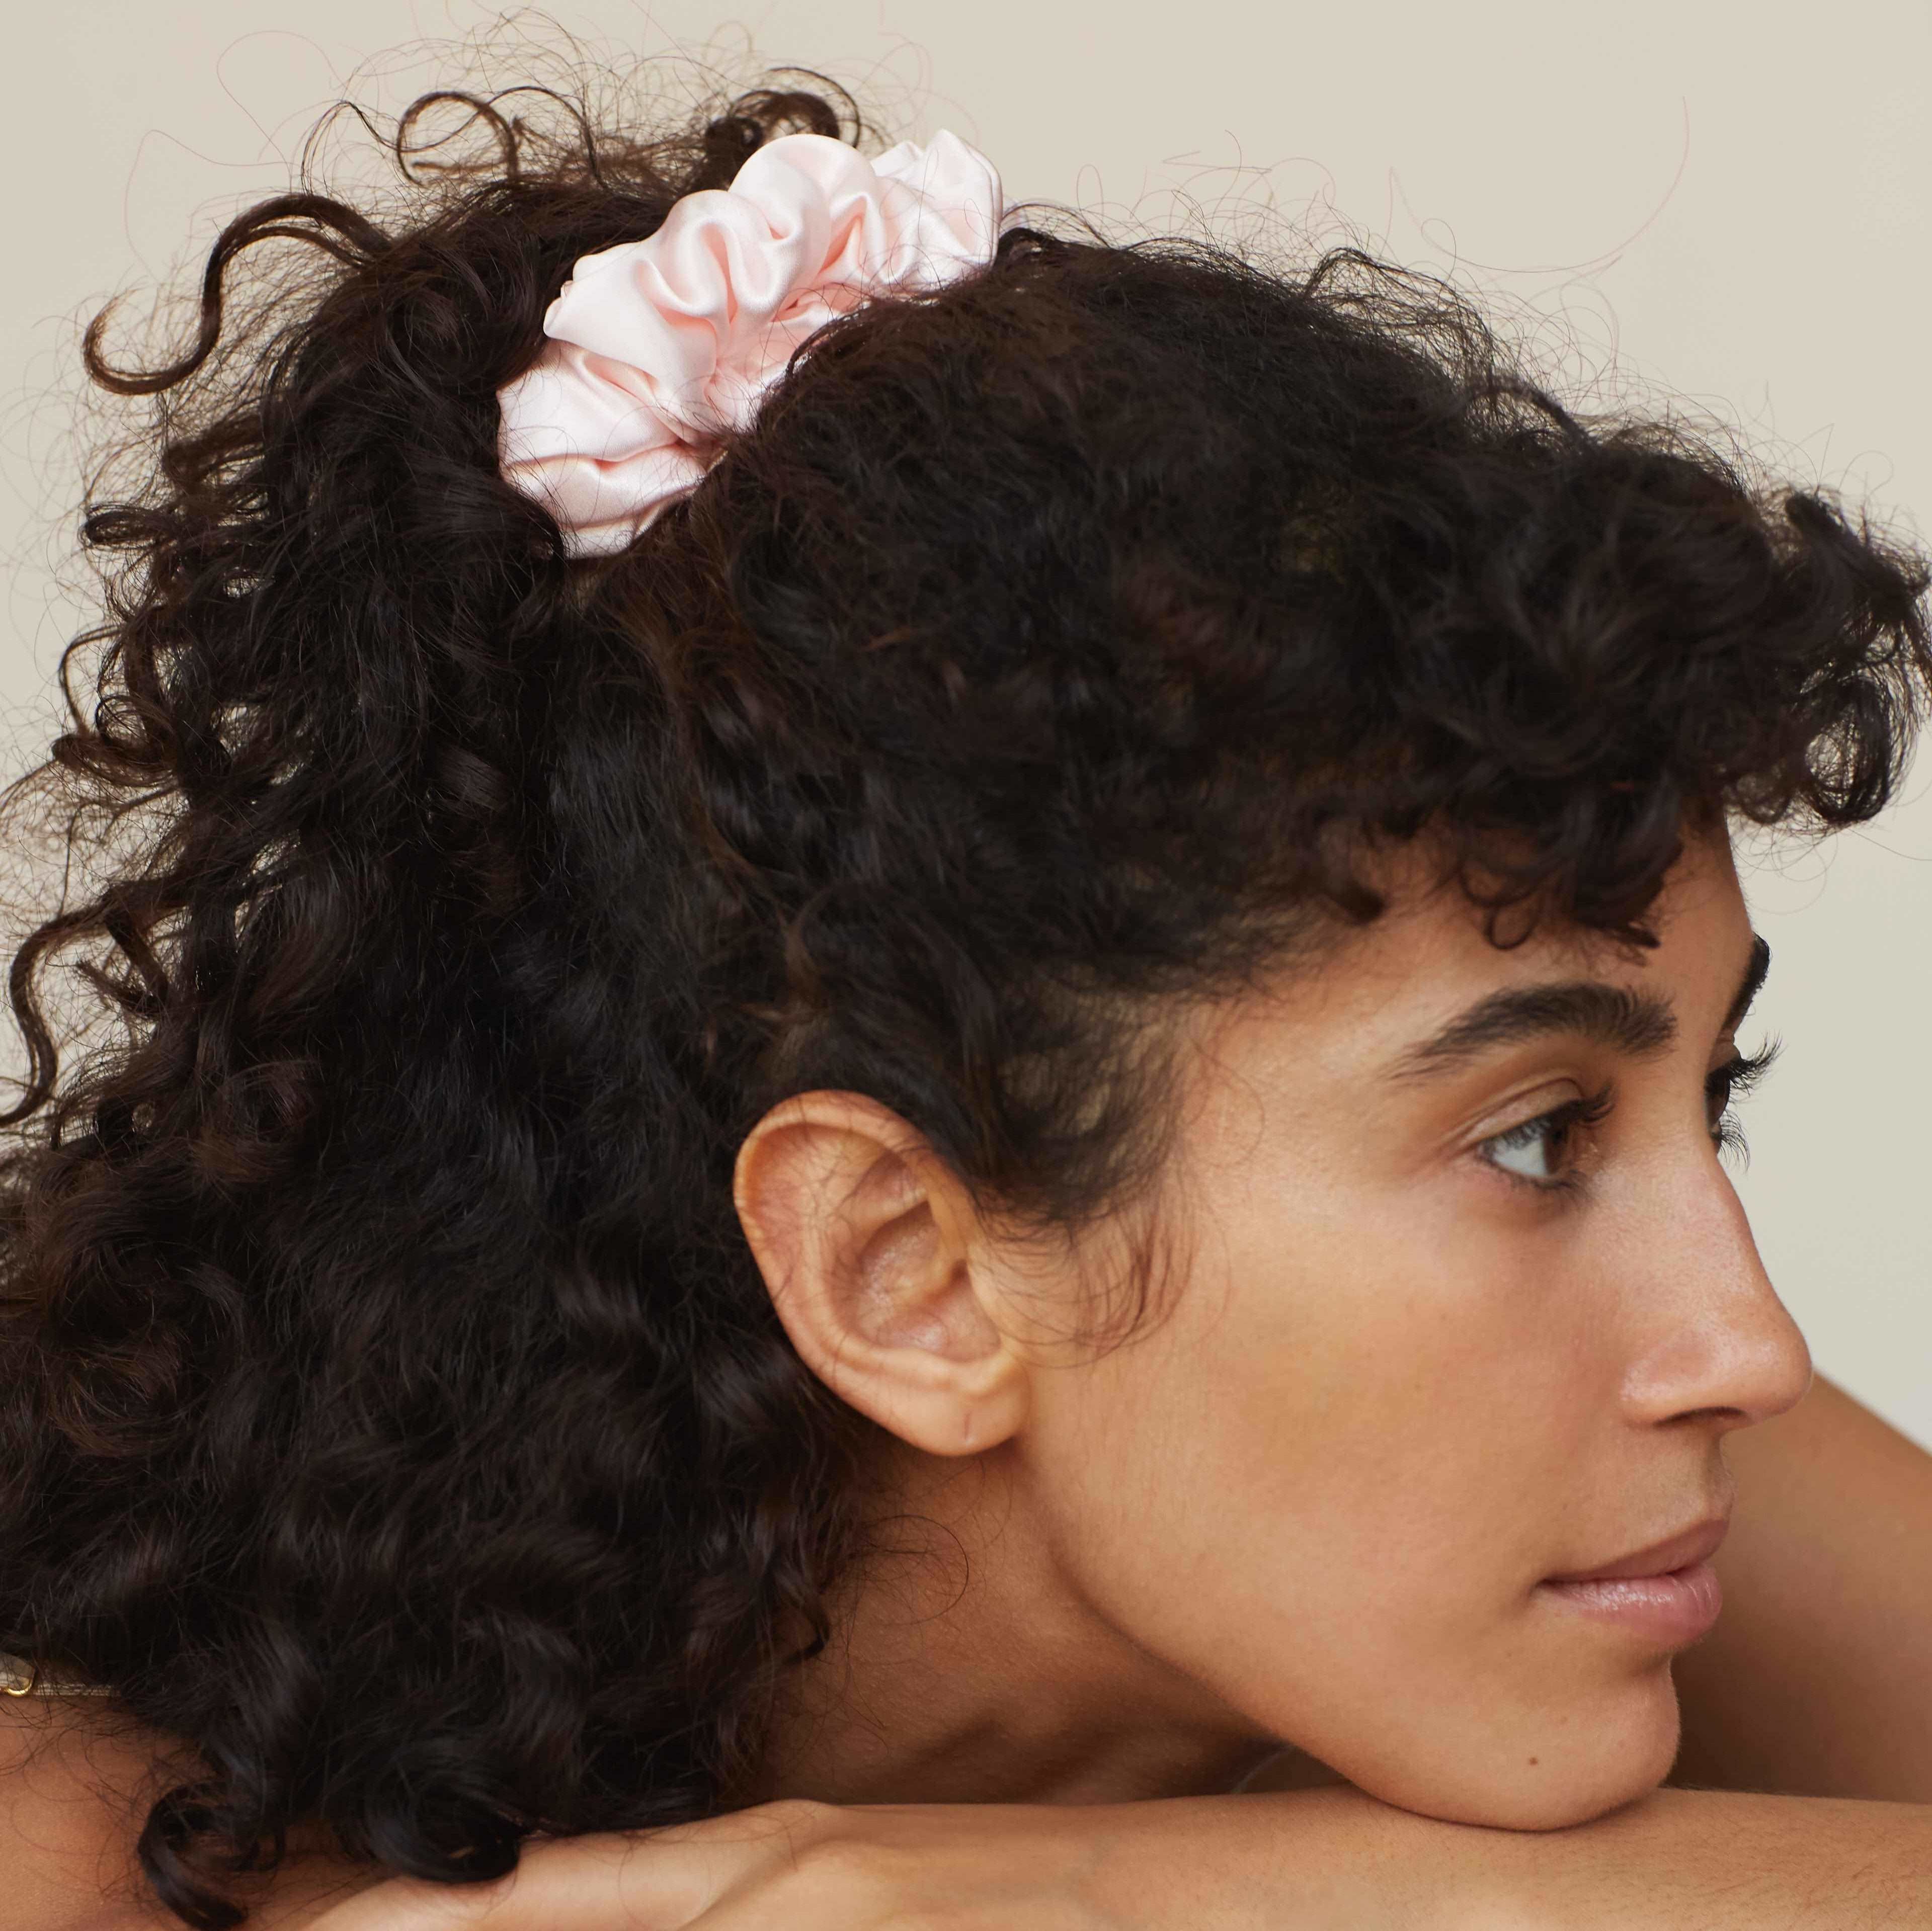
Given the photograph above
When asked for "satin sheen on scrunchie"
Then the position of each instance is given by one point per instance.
(661, 348)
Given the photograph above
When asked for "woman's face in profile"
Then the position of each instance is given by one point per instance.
(1467, 1304)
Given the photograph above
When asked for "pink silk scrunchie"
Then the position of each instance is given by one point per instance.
(660, 348)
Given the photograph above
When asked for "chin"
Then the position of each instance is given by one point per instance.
(1557, 1768)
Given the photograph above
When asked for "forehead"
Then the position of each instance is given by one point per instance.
(1355, 1003)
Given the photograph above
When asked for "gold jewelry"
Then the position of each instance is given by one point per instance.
(19, 1678)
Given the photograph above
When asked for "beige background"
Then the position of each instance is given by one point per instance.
(1731, 201)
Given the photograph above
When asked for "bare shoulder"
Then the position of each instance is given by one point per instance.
(71, 1797)
(75, 1784)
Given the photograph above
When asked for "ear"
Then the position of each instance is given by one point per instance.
(868, 1245)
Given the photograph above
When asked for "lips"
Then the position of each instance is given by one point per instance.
(1688, 1547)
(1665, 1596)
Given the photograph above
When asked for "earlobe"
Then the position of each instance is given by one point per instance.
(872, 1255)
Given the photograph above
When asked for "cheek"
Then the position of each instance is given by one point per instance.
(1375, 1417)
(1361, 1451)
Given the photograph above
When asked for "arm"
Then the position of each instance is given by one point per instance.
(1818, 1680)
(1311, 1860)
(1715, 1861)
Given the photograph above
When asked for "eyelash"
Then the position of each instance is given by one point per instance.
(1723, 1085)
(1731, 1081)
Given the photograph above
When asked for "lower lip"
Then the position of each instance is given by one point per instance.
(1670, 1610)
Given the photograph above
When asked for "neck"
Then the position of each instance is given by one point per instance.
(966, 1667)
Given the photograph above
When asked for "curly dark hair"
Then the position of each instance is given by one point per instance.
(390, 1407)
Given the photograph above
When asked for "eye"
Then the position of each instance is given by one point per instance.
(1729, 1082)
(1542, 1151)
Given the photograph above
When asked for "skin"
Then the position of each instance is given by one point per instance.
(1410, 1370)
(1818, 1681)
(1362, 1490)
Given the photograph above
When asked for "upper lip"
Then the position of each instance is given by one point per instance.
(1695, 1544)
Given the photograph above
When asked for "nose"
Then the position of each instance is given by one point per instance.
(1713, 1341)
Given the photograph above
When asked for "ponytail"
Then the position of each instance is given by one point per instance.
(356, 1424)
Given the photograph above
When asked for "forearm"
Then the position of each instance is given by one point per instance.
(1818, 1680)
(1335, 1860)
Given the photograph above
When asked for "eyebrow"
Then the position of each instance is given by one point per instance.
(1636, 1024)
(1756, 973)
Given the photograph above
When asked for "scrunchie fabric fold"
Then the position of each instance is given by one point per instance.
(661, 348)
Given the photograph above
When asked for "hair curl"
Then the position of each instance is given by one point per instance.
(389, 1407)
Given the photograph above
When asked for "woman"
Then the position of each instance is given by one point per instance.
(906, 1013)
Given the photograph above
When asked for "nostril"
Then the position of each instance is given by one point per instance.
(1716, 1420)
